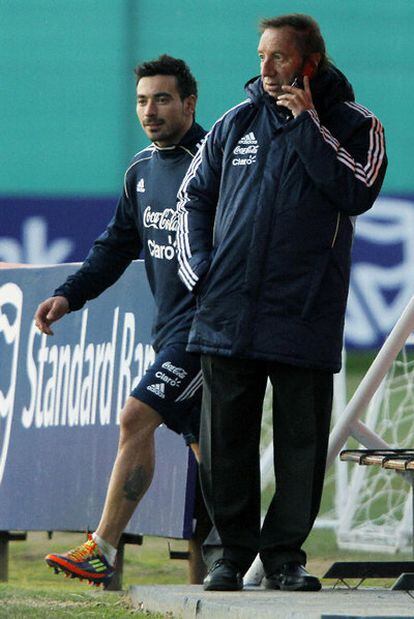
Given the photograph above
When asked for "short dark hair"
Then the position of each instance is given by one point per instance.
(167, 65)
(307, 34)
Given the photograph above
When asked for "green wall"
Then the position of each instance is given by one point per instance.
(67, 89)
(64, 90)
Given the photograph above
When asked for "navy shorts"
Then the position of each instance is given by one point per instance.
(172, 386)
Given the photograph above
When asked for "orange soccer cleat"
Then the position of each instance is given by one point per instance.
(84, 562)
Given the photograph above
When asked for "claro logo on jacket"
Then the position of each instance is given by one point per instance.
(167, 221)
(246, 150)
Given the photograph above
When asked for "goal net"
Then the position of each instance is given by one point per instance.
(377, 514)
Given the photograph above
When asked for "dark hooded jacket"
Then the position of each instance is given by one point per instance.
(266, 224)
(145, 222)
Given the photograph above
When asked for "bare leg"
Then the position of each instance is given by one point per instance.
(133, 468)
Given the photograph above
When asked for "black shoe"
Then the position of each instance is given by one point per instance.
(224, 575)
(292, 577)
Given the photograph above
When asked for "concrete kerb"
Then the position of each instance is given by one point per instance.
(190, 601)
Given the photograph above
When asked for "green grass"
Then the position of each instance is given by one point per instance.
(357, 364)
(17, 602)
(34, 590)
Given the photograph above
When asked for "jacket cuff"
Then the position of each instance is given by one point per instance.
(73, 304)
(304, 116)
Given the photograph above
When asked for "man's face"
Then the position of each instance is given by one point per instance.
(164, 116)
(280, 59)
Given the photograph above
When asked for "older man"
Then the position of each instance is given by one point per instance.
(266, 224)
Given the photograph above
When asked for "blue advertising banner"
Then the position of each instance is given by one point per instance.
(382, 280)
(60, 399)
(50, 231)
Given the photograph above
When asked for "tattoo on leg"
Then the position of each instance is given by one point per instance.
(136, 484)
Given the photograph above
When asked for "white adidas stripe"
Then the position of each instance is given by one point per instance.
(191, 388)
(184, 254)
(375, 154)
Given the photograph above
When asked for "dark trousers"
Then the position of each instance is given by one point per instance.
(233, 394)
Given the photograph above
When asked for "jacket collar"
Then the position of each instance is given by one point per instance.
(194, 135)
(328, 88)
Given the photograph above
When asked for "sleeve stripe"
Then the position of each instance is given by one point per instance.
(375, 155)
(187, 274)
(185, 271)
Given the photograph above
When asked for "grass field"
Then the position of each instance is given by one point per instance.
(33, 590)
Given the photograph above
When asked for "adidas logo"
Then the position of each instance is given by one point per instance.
(249, 138)
(97, 565)
(158, 390)
(141, 186)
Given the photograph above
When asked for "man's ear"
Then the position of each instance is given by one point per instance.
(190, 104)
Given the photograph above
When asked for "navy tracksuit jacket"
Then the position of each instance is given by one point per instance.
(266, 224)
(145, 219)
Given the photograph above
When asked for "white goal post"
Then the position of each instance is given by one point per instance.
(349, 422)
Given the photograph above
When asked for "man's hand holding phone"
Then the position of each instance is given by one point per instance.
(296, 99)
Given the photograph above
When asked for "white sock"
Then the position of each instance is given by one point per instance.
(106, 549)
